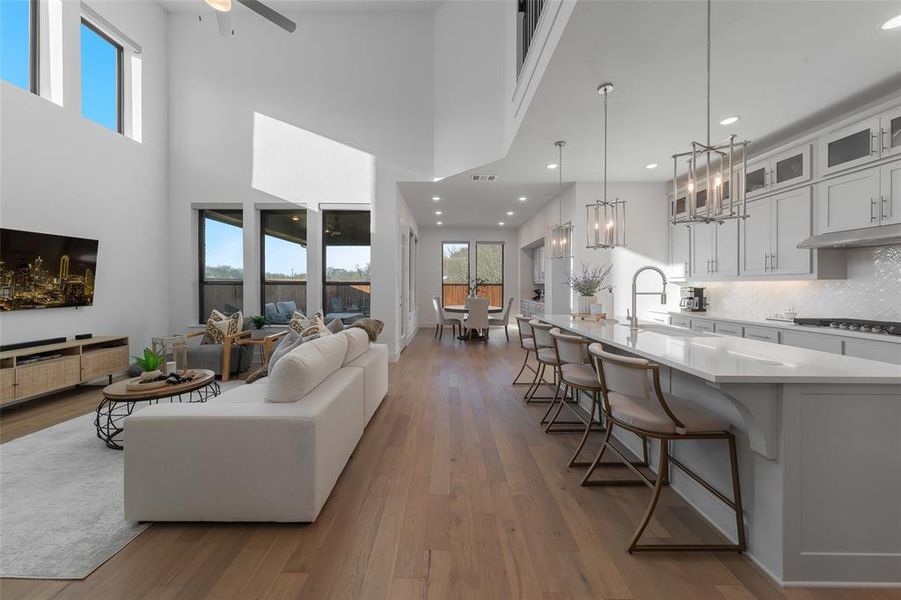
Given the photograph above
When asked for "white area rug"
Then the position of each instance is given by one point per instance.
(61, 507)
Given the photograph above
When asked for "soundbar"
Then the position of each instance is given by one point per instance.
(21, 345)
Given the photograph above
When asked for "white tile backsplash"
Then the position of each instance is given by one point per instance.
(871, 291)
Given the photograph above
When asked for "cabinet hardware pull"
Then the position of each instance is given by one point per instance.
(884, 135)
(773, 261)
(872, 210)
(766, 262)
(885, 204)
(873, 147)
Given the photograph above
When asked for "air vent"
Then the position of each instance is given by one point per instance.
(484, 177)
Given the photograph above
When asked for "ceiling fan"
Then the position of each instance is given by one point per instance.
(223, 14)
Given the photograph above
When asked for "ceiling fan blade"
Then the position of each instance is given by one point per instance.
(224, 21)
(268, 13)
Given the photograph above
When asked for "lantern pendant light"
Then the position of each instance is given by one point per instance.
(558, 243)
(710, 194)
(605, 219)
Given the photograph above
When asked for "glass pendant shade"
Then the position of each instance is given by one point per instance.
(606, 224)
(558, 241)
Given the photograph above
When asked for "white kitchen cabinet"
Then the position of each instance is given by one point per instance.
(851, 146)
(778, 171)
(849, 202)
(772, 231)
(889, 208)
(538, 264)
(873, 350)
(680, 322)
(890, 126)
(680, 251)
(791, 225)
(702, 326)
(714, 250)
(724, 328)
(812, 341)
(764, 334)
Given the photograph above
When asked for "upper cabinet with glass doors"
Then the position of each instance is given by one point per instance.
(890, 132)
(860, 143)
(778, 171)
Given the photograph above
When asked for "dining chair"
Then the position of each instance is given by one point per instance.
(635, 402)
(503, 320)
(476, 316)
(441, 320)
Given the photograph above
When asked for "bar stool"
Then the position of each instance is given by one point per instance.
(634, 401)
(577, 375)
(527, 343)
(544, 353)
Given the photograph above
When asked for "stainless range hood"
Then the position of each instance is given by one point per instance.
(883, 235)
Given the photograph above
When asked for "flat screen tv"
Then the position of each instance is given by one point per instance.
(40, 270)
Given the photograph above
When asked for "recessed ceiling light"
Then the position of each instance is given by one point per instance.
(522, 198)
(437, 212)
(439, 223)
(892, 23)
(501, 223)
(729, 120)
(509, 213)
(436, 198)
(651, 166)
(552, 166)
(295, 218)
(434, 179)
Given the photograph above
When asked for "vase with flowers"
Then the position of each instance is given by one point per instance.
(588, 283)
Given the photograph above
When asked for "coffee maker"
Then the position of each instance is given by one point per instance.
(692, 299)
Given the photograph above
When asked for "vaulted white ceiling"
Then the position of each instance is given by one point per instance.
(781, 65)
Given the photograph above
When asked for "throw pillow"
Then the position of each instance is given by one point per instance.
(216, 330)
(301, 324)
(335, 325)
(289, 342)
(373, 327)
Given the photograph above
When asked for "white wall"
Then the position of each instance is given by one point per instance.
(360, 79)
(66, 175)
(429, 263)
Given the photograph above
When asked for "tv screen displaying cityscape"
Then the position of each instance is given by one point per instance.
(40, 270)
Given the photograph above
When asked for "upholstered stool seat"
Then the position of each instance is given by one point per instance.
(548, 355)
(528, 344)
(645, 415)
(581, 375)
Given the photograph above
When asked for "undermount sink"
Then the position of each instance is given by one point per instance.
(671, 331)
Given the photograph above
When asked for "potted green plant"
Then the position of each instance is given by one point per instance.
(258, 322)
(150, 364)
(587, 284)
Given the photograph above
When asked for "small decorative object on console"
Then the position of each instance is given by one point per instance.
(150, 364)
(586, 285)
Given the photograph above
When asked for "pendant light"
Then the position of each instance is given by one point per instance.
(558, 243)
(605, 219)
(709, 195)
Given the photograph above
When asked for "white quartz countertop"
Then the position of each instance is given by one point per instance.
(713, 316)
(728, 359)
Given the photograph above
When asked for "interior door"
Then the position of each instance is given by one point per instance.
(849, 202)
(791, 225)
(404, 284)
(890, 200)
(756, 230)
(725, 254)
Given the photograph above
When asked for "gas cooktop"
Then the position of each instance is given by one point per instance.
(863, 326)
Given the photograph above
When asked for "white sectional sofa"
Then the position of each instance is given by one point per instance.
(268, 451)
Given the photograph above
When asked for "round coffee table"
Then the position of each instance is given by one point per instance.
(119, 401)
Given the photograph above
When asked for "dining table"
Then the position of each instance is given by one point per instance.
(461, 309)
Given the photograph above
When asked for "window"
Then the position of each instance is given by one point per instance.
(454, 272)
(19, 43)
(221, 262)
(345, 278)
(101, 77)
(490, 268)
(283, 263)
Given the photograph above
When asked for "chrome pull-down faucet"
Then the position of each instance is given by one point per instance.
(633, 319)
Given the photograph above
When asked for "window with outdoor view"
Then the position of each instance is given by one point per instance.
(101, 77)
(345, 277)
(221, 262)
(490, 271)
(454, 272)
(18, 43)
(283, 263)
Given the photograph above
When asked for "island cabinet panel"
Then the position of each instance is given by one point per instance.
(873, 350)
(47, 376)
(812, 341)
(7, 385)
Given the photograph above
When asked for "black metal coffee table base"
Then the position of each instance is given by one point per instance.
(110, 413)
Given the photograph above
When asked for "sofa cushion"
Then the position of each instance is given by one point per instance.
(357, 344)
(242, 394)
(289, 342)
(304, 367)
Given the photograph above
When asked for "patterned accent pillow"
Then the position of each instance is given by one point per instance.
(335, 325)
(217, 329)
(301, 324)
(372, 327)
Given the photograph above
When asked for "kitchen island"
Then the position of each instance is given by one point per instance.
(819, 447)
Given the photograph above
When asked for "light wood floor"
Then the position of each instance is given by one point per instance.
(453, 492)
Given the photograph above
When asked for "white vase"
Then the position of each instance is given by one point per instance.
(584, 304)
(150, 375)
